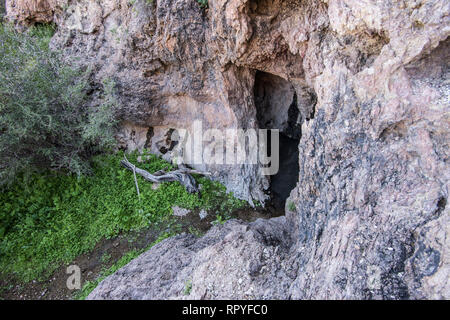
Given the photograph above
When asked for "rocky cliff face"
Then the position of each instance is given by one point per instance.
(370, 84)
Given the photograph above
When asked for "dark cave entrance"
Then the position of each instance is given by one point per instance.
(276, 108)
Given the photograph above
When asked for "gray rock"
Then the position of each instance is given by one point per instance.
(180, 212)
(218, 265)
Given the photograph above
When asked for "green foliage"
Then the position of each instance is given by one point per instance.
(224, 204)
(100, 127)
(219, 220)
(203, 3)
(291, 206)
(49, 219)
(187, 287)
(44, 120)
(41, 34)
(105, 257)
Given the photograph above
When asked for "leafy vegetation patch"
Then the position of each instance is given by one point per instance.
(187, 287)
(291, 206)
(45, 122)
(49, 219)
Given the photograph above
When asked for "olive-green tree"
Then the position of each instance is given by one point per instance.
(44, 119)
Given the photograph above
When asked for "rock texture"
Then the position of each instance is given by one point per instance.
(31, 11)
(234, 261)
(371, 81)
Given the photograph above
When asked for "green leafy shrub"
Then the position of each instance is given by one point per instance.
(219, 220)
(187, 287)
(44, 120)
(291, 206)
(50, 218)
(41, 34)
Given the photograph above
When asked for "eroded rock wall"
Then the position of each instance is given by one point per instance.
(31, 11)
(174, 62)
(371, 218)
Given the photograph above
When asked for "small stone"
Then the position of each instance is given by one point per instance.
(180, 212)
(203, 214)
(155, 186)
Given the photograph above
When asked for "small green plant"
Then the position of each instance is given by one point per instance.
(115, 32)
(105, 258)
(187, 287)
(42, 34)
(203, 3)
(291, 206)
(195, 231)
(219, 220)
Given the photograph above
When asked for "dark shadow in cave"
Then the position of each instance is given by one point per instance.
(286, 179)
(276, 108)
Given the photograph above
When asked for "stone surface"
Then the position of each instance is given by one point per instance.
(180, 212)
(234, 261)
(31, 11)
(371, 80)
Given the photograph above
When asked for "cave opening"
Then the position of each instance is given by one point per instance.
(276, 108)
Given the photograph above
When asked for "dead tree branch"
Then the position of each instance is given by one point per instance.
(182, 175)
